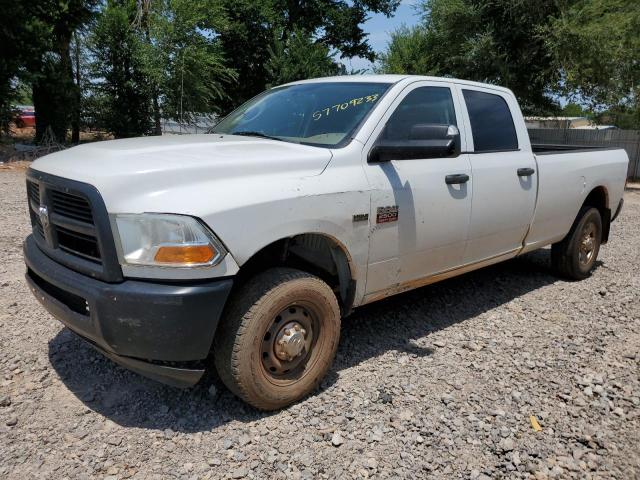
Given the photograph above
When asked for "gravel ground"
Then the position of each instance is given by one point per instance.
(506, 373)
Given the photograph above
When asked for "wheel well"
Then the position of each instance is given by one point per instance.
(315, 253)
(599, 198)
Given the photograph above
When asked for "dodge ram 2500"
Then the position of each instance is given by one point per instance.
(248, 245)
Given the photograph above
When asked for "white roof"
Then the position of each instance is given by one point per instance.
(377, 78)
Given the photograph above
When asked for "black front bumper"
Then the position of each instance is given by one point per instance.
(163, 331)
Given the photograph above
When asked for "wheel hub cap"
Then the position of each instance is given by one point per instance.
(290, 341)
(587, 243)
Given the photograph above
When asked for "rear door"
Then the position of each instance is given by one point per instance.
(503, 171)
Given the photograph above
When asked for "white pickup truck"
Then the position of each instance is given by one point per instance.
(247, 245)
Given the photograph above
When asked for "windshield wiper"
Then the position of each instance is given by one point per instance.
(249, 133)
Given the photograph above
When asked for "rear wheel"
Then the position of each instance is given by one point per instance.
(278, 338)
(575, 256)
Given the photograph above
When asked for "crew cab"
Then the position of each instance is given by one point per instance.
(246, 246)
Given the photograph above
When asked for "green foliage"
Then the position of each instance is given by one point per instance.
(627, 118)
(497, 41)
(183, 58)
(33, 49)
(299, 57)
(248, 38)
(161, 56)
(573, 110)
(596, 46)
(12, 38)
(586, 50)
(23, 95)
(55, 95)
(122, 97)
(150, 58)
(405, 53)
(35, 39)
(171, 58)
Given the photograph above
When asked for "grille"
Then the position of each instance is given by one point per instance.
(77, 243)
(34, 192)
(71, 206)
(39, 229)
(72, 228)
(71, 225)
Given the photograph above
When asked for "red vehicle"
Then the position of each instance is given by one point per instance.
(26, 117)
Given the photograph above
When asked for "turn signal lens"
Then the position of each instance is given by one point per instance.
(185, 254)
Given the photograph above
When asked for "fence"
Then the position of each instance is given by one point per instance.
(627, 139)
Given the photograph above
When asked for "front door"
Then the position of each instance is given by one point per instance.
(419, 222)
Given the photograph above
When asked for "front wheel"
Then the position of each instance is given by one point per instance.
(278, 338)
(575, 256)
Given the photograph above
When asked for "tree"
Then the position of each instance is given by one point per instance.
(248, 37)
(497, 41)
(12, 51)
(162, 56)
(50, 71)
(584, 50)
(35, 38)
(183, 57)
(406, 53)
(573, 110)
(121, 93)
(299, 57)
(595, 44)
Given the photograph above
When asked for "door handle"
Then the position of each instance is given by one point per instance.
(456, 178)
(526, 172)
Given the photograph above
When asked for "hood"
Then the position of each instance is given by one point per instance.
(159, 163)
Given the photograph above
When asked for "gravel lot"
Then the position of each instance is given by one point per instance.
(442, 382)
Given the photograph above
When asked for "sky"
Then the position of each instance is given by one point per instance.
(379, 29)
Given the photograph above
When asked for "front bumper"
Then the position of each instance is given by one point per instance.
(163, 331)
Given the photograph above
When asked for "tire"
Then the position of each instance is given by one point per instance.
(575, 256)
(278, 305)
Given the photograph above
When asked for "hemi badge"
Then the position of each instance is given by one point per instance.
(360, 217)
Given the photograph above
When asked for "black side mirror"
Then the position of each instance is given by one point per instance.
(425, 141)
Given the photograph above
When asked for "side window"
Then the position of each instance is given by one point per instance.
(423, 105)
(491, 122)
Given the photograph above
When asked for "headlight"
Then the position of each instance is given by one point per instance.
(163, 240)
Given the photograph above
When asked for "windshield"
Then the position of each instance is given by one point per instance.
(312, 113)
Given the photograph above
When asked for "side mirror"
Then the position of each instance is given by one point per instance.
(425, 141)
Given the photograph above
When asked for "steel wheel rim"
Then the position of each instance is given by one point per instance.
(282, 362)
(587, 244)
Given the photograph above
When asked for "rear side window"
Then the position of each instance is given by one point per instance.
(491, 122)
(422, 105)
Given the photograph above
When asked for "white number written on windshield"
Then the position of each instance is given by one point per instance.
(340, 107)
